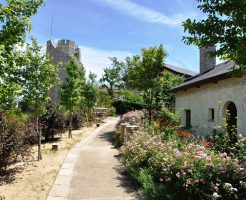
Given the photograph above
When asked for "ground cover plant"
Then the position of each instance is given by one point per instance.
(170, 163)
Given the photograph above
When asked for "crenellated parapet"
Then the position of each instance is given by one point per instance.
(68, 47)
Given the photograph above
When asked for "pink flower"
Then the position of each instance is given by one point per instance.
(177, 152)
(178, 175)
(223, 155)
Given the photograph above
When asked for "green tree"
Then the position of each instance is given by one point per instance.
(225, 25)
(163, 95)
(144, 73)
(15, 23)
(103, 98)
(90, 95)
(72, 89)
(111, 78)
(39, 76)
(125, 67)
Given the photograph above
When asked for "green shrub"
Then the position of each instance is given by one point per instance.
(123, 107)
(111, 111)
(173, 169)
(222, 143)
(117, 141)
(14, 138)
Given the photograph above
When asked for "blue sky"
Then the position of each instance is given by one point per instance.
(107, 28)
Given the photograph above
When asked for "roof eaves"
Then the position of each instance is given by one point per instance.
(213, 79)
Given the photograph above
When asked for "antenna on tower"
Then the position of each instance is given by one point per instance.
(51, 29)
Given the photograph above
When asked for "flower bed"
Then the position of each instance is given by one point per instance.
(177, 169)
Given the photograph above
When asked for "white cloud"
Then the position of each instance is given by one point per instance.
(144, 13)
(95, 60)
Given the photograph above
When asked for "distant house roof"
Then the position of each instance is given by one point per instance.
(179, 71)
(221, 71)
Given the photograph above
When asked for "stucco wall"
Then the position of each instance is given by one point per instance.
(213, 95)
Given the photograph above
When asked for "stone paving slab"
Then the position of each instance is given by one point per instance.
(98, 174)
(61, 187)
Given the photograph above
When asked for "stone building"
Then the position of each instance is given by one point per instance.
(60, 53)
(205, 99)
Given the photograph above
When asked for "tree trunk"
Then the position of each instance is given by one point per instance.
(150, 113)
(70, 126)
(149, 103)
(39, 140)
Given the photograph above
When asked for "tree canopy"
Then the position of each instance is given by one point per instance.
(225, 26)
(72, 88)
(111, 78)
(38, 77)
(144, 73)
(15, 19)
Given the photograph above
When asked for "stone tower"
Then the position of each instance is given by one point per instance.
(207, 62)
(61, 53)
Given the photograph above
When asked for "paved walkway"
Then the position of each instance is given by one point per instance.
(91, 170)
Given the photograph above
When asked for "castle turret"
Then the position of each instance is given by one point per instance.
(66, 46)
(61, 53)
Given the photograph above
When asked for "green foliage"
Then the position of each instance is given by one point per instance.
(15, 19)
(103, 99)
(131, 96)
(112, 77)
(89, 96)
(14, 137)
(111, 111)
(144, 73)
(164, 97)
(39, 76)
(173, 169)
(230, 142)
(117, 141)
(73, 86)
(146, 68)
(15, 22)
(122, 107)
(72, 89)
(224, 25)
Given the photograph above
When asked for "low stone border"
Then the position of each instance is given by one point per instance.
(60, 188)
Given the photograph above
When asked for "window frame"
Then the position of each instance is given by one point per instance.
(211, 115)
(187, 118)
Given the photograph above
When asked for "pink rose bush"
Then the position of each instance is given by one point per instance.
(173, 169)
(133, 117)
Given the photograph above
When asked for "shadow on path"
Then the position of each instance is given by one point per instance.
(124, 180)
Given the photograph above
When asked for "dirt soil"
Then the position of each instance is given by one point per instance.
(34, 181)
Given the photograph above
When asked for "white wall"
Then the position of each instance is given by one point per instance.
(213, 95)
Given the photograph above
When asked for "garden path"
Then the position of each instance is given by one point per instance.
(92, 170)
